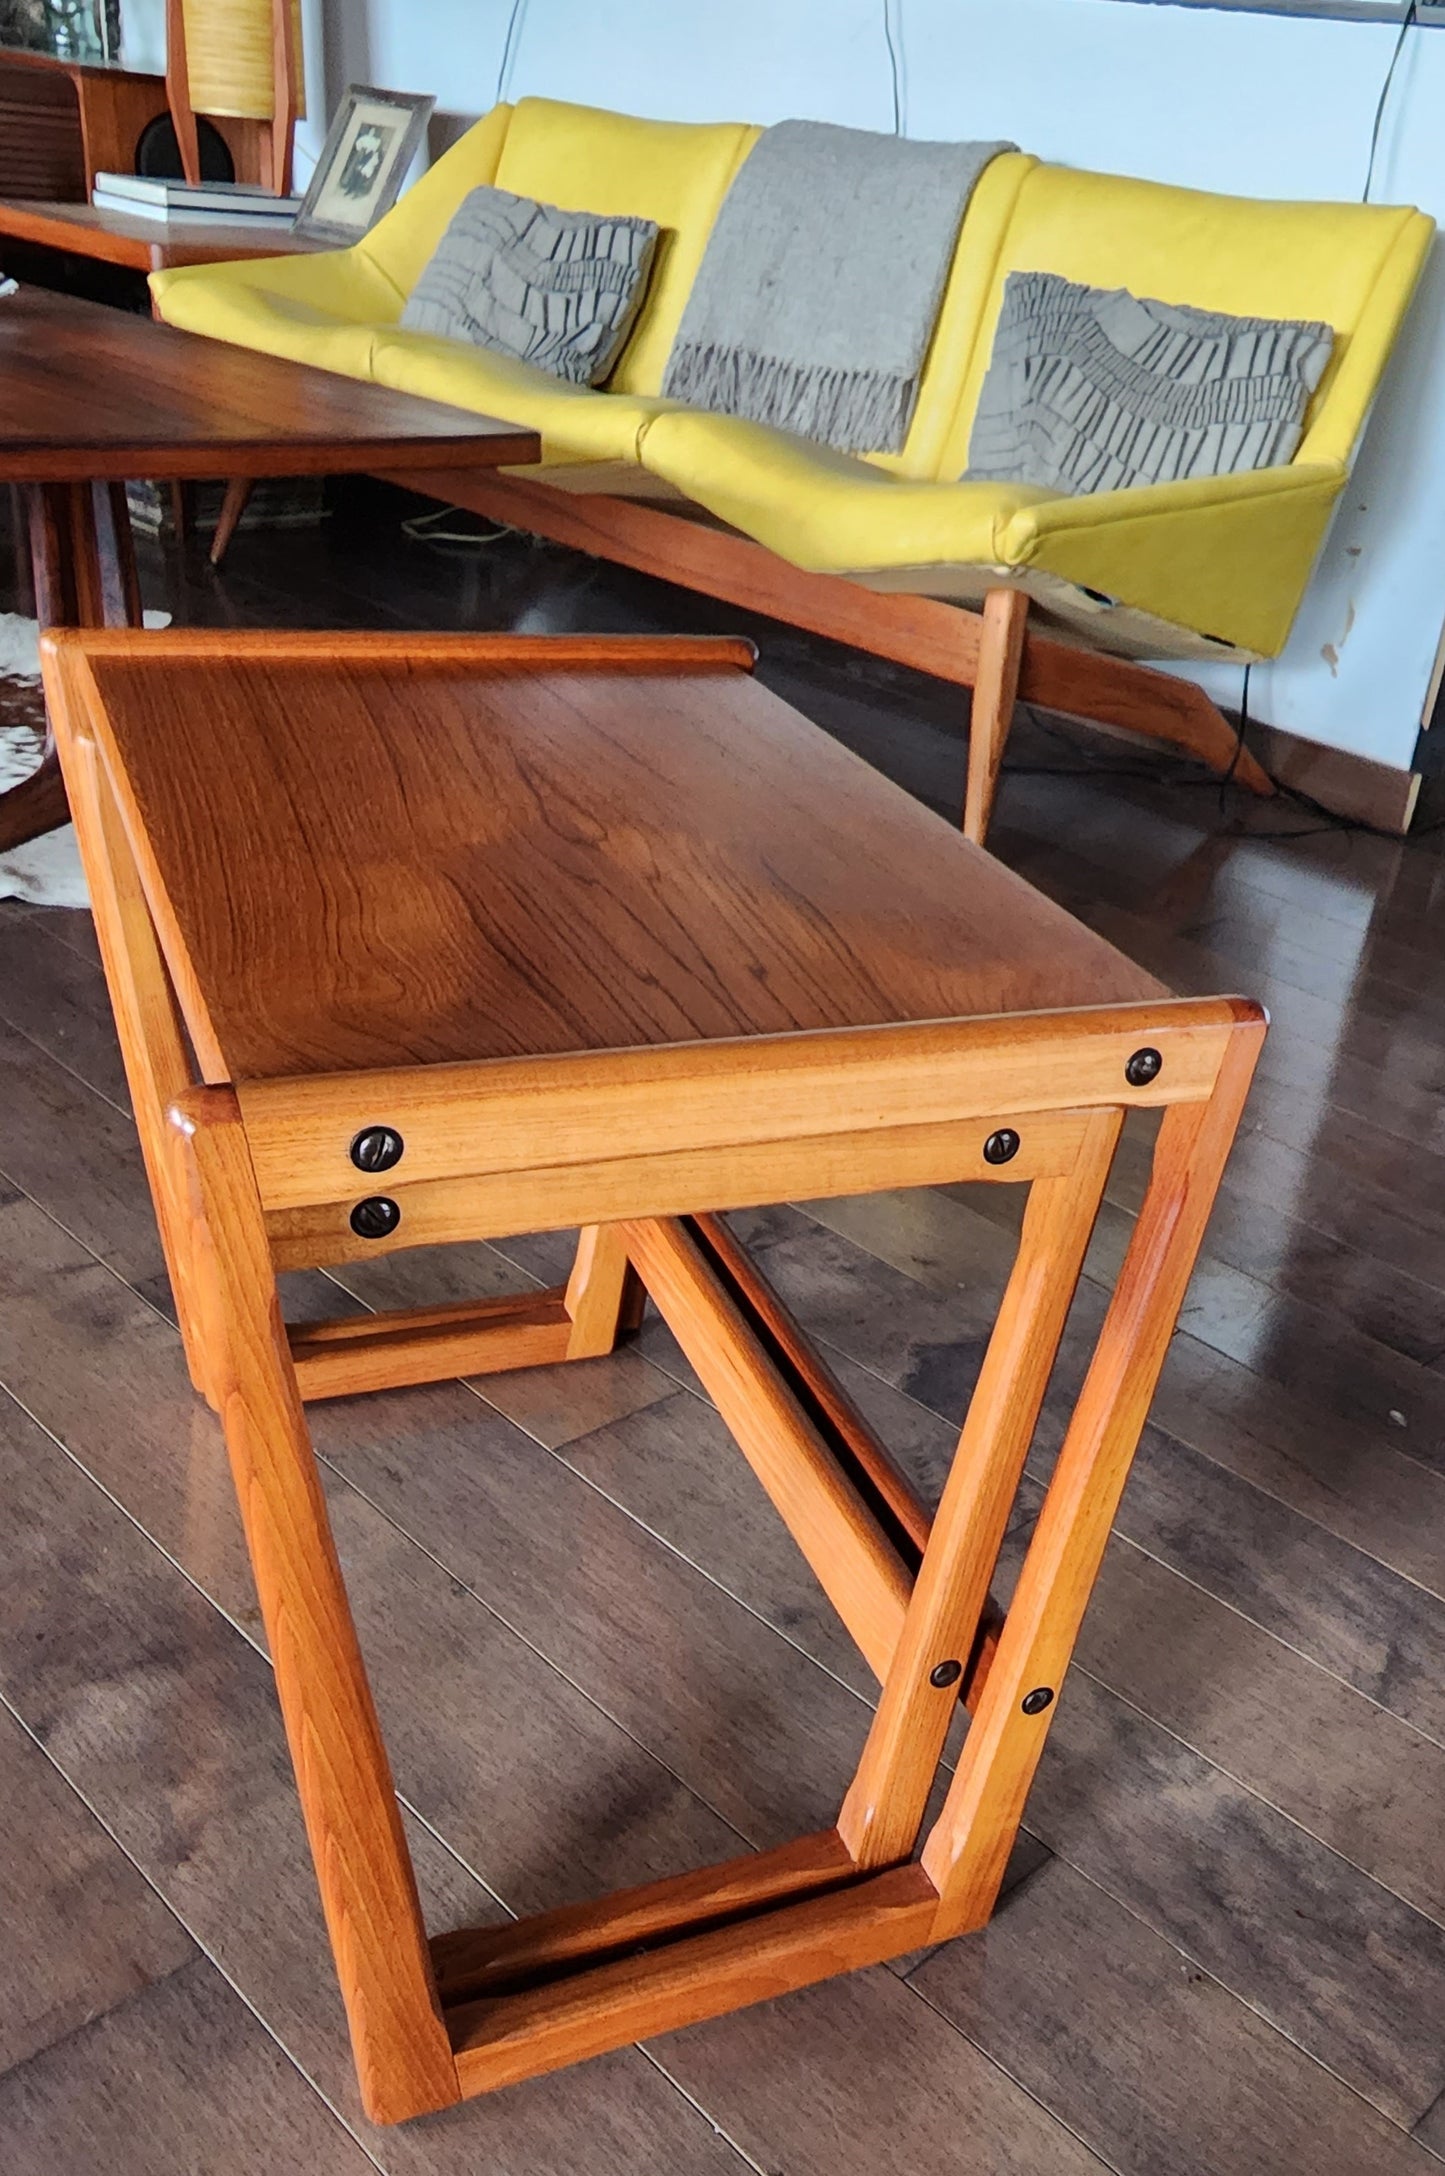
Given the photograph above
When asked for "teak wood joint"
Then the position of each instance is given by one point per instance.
(642, 1147)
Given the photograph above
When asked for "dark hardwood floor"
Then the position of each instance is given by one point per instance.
(597, 1657)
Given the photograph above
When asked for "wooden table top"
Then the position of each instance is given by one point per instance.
(92, 394)
(379, 850)
(142, 245)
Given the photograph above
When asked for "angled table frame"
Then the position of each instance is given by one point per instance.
(643, 1148)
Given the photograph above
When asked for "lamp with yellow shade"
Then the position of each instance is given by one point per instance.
(238, 59)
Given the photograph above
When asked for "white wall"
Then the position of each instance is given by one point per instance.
(1263, 104)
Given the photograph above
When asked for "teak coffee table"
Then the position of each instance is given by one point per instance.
(600, 933)
(91, 396)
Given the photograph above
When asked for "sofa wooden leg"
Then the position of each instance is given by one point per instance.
(1110, 690)
(1000, 654)
(233, 506)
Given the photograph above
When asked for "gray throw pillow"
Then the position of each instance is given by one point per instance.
(556, 289)
(1094, 389)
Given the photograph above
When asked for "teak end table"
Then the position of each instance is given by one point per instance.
(478, 936)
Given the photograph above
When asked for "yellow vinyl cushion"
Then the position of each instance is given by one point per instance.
(673, 172)
(401, 245)
(823, 510)
(577, 424)
(324, 308)
(1236, 550)
(1228, 556)
(960, 318)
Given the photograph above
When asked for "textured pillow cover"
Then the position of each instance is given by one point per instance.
(556, 289)
(1094, 389)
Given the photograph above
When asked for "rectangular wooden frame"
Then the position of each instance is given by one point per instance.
(639, 1147)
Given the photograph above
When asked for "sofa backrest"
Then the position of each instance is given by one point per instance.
(1353, 266)
(674, 172)
(960, 316)
(401, 245)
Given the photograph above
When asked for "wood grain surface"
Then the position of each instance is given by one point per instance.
(142, 245)
(176, 405)
(449, 892)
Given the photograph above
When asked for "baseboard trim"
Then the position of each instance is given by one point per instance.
(1348, 785)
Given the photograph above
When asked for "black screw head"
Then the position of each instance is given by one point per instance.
(377, 1148)
(375, 1218)
(1144, 1066)
(1001, 1147)
(1036, 1701)
(945, 1673)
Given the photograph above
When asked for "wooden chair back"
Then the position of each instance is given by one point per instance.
(238, 58)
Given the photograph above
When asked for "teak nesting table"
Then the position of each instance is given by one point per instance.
(478, 936)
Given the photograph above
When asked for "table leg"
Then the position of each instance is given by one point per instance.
(83, 567)
(19, 531)
(115, 555)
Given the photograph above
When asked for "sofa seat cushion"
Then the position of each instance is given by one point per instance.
(827, 511)
(327, 309)
(577, 424)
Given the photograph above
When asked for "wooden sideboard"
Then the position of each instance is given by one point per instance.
(64, 121)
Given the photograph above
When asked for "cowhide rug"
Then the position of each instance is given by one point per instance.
(47, 872)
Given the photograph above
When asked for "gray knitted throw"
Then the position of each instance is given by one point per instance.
(816, 297)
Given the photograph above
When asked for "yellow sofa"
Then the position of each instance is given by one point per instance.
(1211, 567)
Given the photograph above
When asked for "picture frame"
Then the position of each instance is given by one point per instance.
(366, 157)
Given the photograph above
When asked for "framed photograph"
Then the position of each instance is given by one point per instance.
(363, 163)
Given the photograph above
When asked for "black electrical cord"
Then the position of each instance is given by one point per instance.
(1160, 773)
(1410, 23)
(513, 24)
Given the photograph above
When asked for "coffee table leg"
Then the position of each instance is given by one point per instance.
(38, 803)
(115, 557)
(83, 566)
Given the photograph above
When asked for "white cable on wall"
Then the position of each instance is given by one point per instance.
(892, 38)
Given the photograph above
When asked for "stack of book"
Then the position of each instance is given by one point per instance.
(210, 203)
